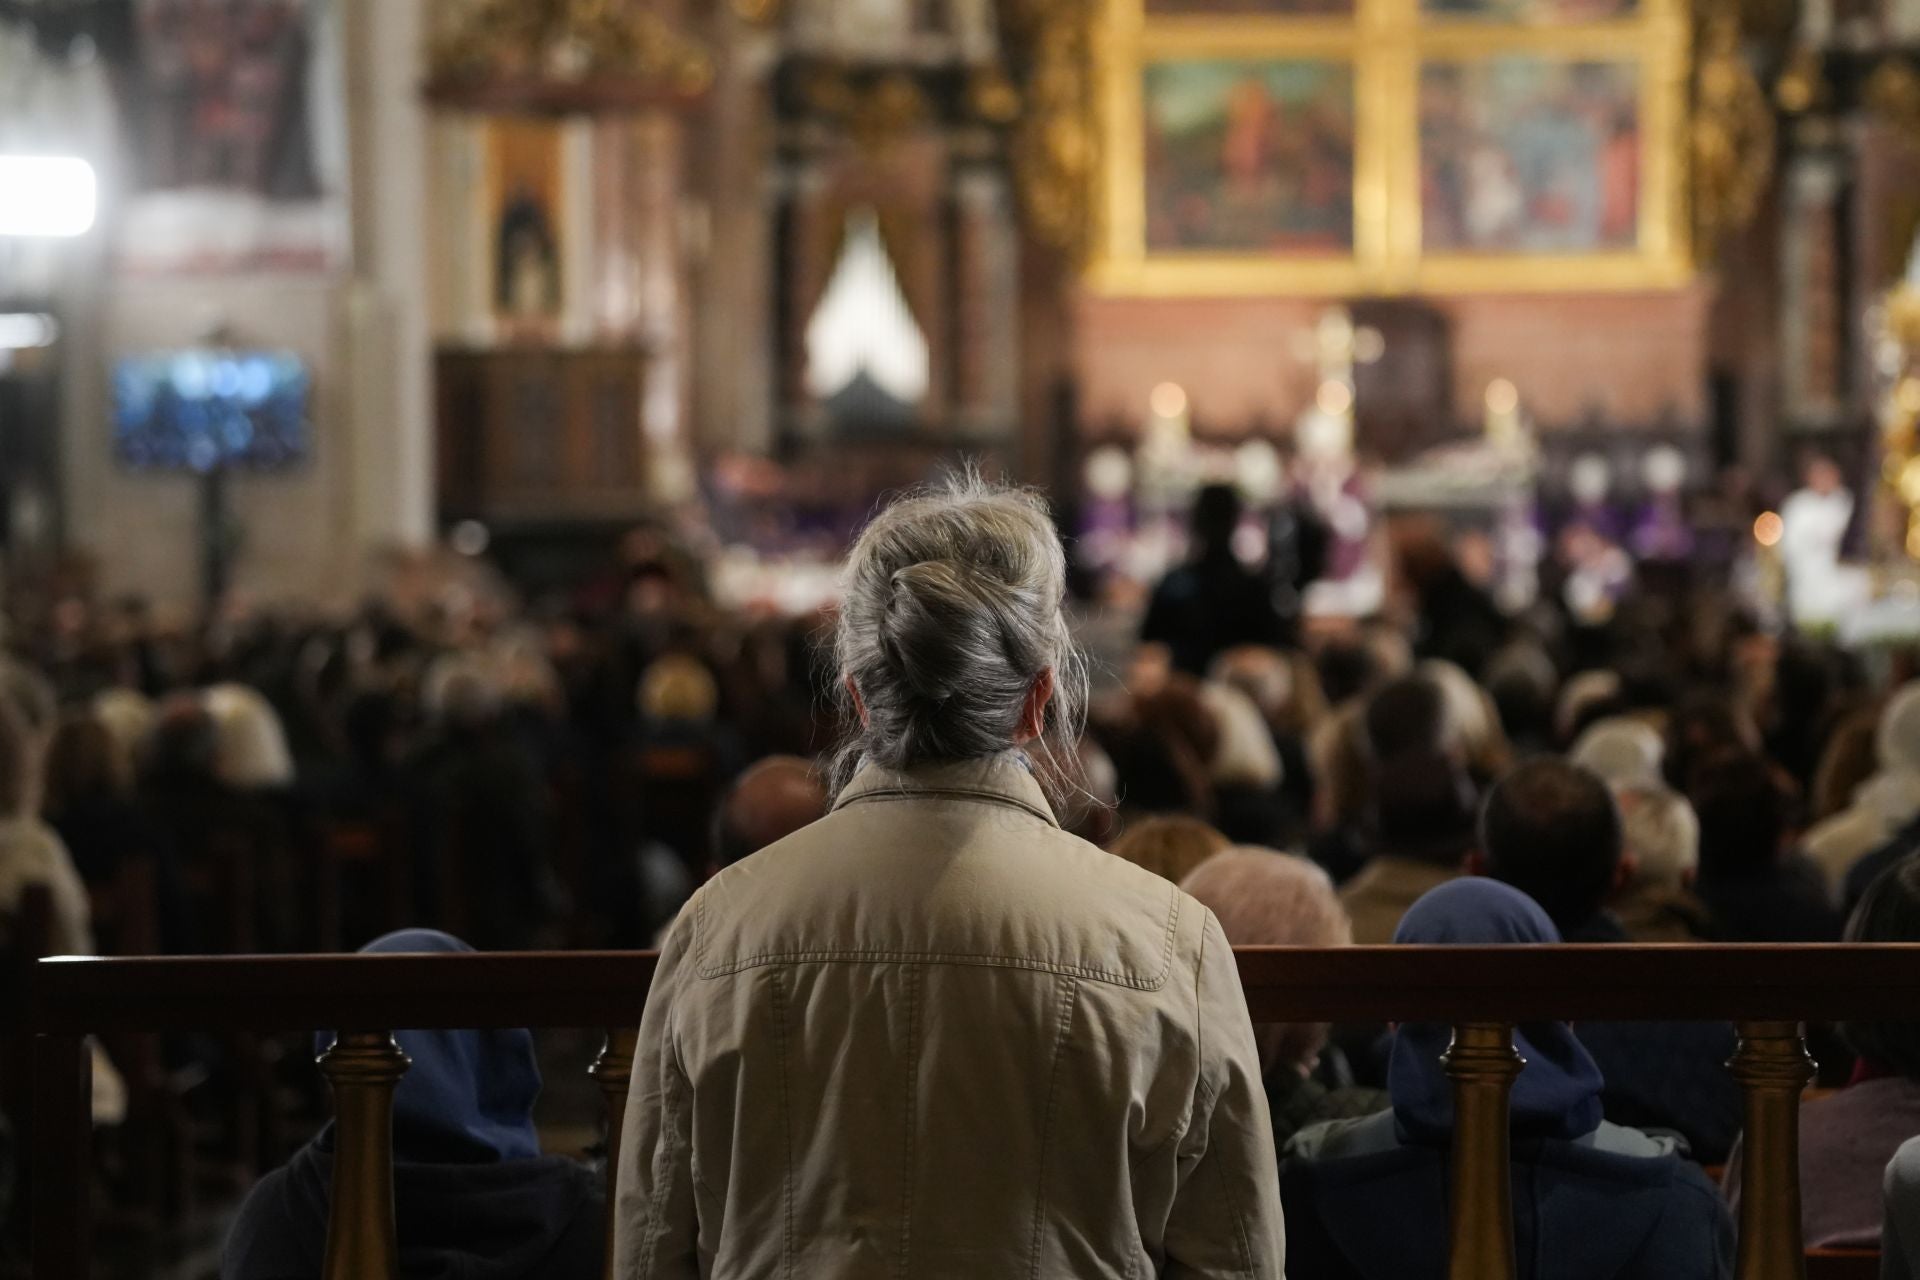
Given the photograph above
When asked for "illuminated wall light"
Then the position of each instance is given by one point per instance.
(27, 330)
(1169, 400)
(1335, 398)
(52, 196)
(1768, 529)
(1502, 397)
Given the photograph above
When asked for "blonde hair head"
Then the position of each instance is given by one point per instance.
(1263, 898)
(1168, 845)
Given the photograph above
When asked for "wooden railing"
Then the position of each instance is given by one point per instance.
(1483, 992)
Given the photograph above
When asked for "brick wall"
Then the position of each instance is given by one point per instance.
(1633, 357)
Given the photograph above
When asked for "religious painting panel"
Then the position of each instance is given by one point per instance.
(1264, 150)
(1536, 13)
(236, 138)
(525, 215)
(1249, 155)
(1530, 154)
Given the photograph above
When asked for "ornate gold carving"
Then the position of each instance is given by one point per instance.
(1893, 93)
(1894, 326)
(875, 113)
(565, 54)
(993, 98)
(1387, 42)
(1732, 135)
(1803, 84)
(1055, 143)
(760, 13)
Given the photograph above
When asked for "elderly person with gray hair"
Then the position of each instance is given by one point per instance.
(1263, 898)
(1659, 858)
(933, 1034)
(1621, 751)
(1884, 804)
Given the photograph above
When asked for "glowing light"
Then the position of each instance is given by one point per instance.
(1909, 482)
(46, 196)
(470, 538)
(1768, 529)
(1502, 397)
(1907, 396)
(1258, 470)
(1109, 473)
(1169, 400)
(26, 330)
(864, 325)
(1335, 398)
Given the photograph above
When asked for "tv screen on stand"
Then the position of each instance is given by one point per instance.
(211, 410)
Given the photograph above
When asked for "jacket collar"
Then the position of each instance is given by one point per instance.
(1003, 780)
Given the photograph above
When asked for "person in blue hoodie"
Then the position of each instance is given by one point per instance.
(1591, 1200)
(474, 1197)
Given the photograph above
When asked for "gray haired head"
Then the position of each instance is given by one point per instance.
(952, 613)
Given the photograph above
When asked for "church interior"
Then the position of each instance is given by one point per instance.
(433, 435)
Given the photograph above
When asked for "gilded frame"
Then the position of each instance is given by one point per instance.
(1387, 42)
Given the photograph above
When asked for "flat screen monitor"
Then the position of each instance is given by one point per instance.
(204, 410)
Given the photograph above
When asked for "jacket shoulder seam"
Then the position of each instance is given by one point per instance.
(885, 955)
(880, 955)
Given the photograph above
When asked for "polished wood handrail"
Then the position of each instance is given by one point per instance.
(1743, 983)
(1482, 991)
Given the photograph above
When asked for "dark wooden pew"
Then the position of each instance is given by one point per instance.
(1766, 991)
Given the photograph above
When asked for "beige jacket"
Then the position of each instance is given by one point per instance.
(1382, 890)
(934, 1036)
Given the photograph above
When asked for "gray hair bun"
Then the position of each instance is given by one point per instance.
(952, 613)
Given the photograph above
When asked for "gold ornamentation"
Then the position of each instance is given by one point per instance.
(1387, 43)
(1903, 322)
(563, 53)
(875, 113)
(760, 13)
(1732, 136)
(993, 98)
(1895, 328)
(1055, 143)
(1803, 85)
(1893, 93)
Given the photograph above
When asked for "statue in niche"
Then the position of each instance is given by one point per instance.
(528, 270)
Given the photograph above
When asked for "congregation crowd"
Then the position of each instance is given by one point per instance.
(572, 770)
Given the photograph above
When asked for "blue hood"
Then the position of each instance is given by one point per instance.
(468, 1097)
(1557, 1094)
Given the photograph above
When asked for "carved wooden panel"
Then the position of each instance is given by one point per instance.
(541, 434)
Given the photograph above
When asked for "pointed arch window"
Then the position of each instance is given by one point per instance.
(863, 343)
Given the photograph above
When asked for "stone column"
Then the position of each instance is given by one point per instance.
(388, 424)
(662, 310)
(733, 397)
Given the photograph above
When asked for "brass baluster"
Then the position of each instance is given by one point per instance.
(362, 1067)
(613, 1069)
(1773, 1068)
(1483, 1065)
